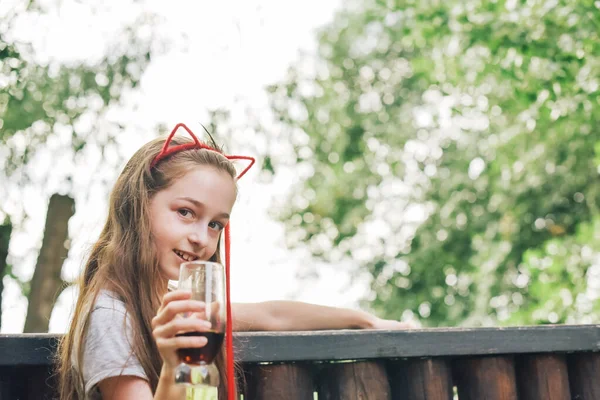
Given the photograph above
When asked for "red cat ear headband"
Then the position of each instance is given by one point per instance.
(167, 151)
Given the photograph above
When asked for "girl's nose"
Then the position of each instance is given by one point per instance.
(199, 236)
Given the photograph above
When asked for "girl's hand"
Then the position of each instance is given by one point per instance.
(390, 324)
(168, 322)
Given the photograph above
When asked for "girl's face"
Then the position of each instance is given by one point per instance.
(187, 217)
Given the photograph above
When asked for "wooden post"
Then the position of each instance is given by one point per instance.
(353, 381)
(543, 377)
(280, 381)
(490, 378)
(421, 379)
(584, 373)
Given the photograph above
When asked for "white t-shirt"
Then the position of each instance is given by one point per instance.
(107, 348)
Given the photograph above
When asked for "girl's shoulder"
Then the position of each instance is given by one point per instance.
(107, 349)
(108, 300)
(108, 317)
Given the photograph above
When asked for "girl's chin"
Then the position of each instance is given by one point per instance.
(170, 276)
(174, 274)
(171, 272)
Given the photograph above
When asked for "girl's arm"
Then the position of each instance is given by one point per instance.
(299, 316)
(133, 387)
(125, 387)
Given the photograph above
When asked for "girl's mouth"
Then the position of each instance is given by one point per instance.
(185, 256)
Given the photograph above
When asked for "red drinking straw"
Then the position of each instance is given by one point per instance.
(165, 152)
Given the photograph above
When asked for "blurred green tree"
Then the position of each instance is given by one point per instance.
(452, 148)
(41, 101)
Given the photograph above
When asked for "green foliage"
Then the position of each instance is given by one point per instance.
(44, 102)
(451, 146)
(36, 100)
(572, 259)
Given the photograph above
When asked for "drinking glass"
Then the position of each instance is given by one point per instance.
(206, 281)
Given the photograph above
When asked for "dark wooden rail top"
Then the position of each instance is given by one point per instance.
(526, 363)
(38, 349)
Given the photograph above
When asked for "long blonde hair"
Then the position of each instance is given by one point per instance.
(123, 254)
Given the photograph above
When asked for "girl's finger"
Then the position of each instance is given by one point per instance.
(174, 295)
(180, 342)
(215, 307)
(181, 325)
(176, 307)
(199, 315)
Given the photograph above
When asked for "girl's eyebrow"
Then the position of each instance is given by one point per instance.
(201, 205)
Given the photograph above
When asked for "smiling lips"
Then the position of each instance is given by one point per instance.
(186, 256)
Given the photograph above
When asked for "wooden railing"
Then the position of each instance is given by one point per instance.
(545, 363)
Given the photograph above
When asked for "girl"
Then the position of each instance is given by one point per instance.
(170, 204)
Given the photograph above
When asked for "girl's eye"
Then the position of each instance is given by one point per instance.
(216, 225)
(184, 212)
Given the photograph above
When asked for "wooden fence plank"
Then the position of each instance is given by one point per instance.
(421, 379)
(27, 383)
(476, 377)
(280, 381)
(584, 376)
(543, 377)
(485, 378)
(365, 380)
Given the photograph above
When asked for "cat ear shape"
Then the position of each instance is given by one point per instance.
(167, 150)
(247, 158)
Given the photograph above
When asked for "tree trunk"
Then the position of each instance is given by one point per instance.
(47, 282)
(5, 231)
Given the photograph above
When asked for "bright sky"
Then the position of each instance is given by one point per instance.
(234, 49)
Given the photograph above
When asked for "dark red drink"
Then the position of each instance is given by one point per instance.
(206, 354)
